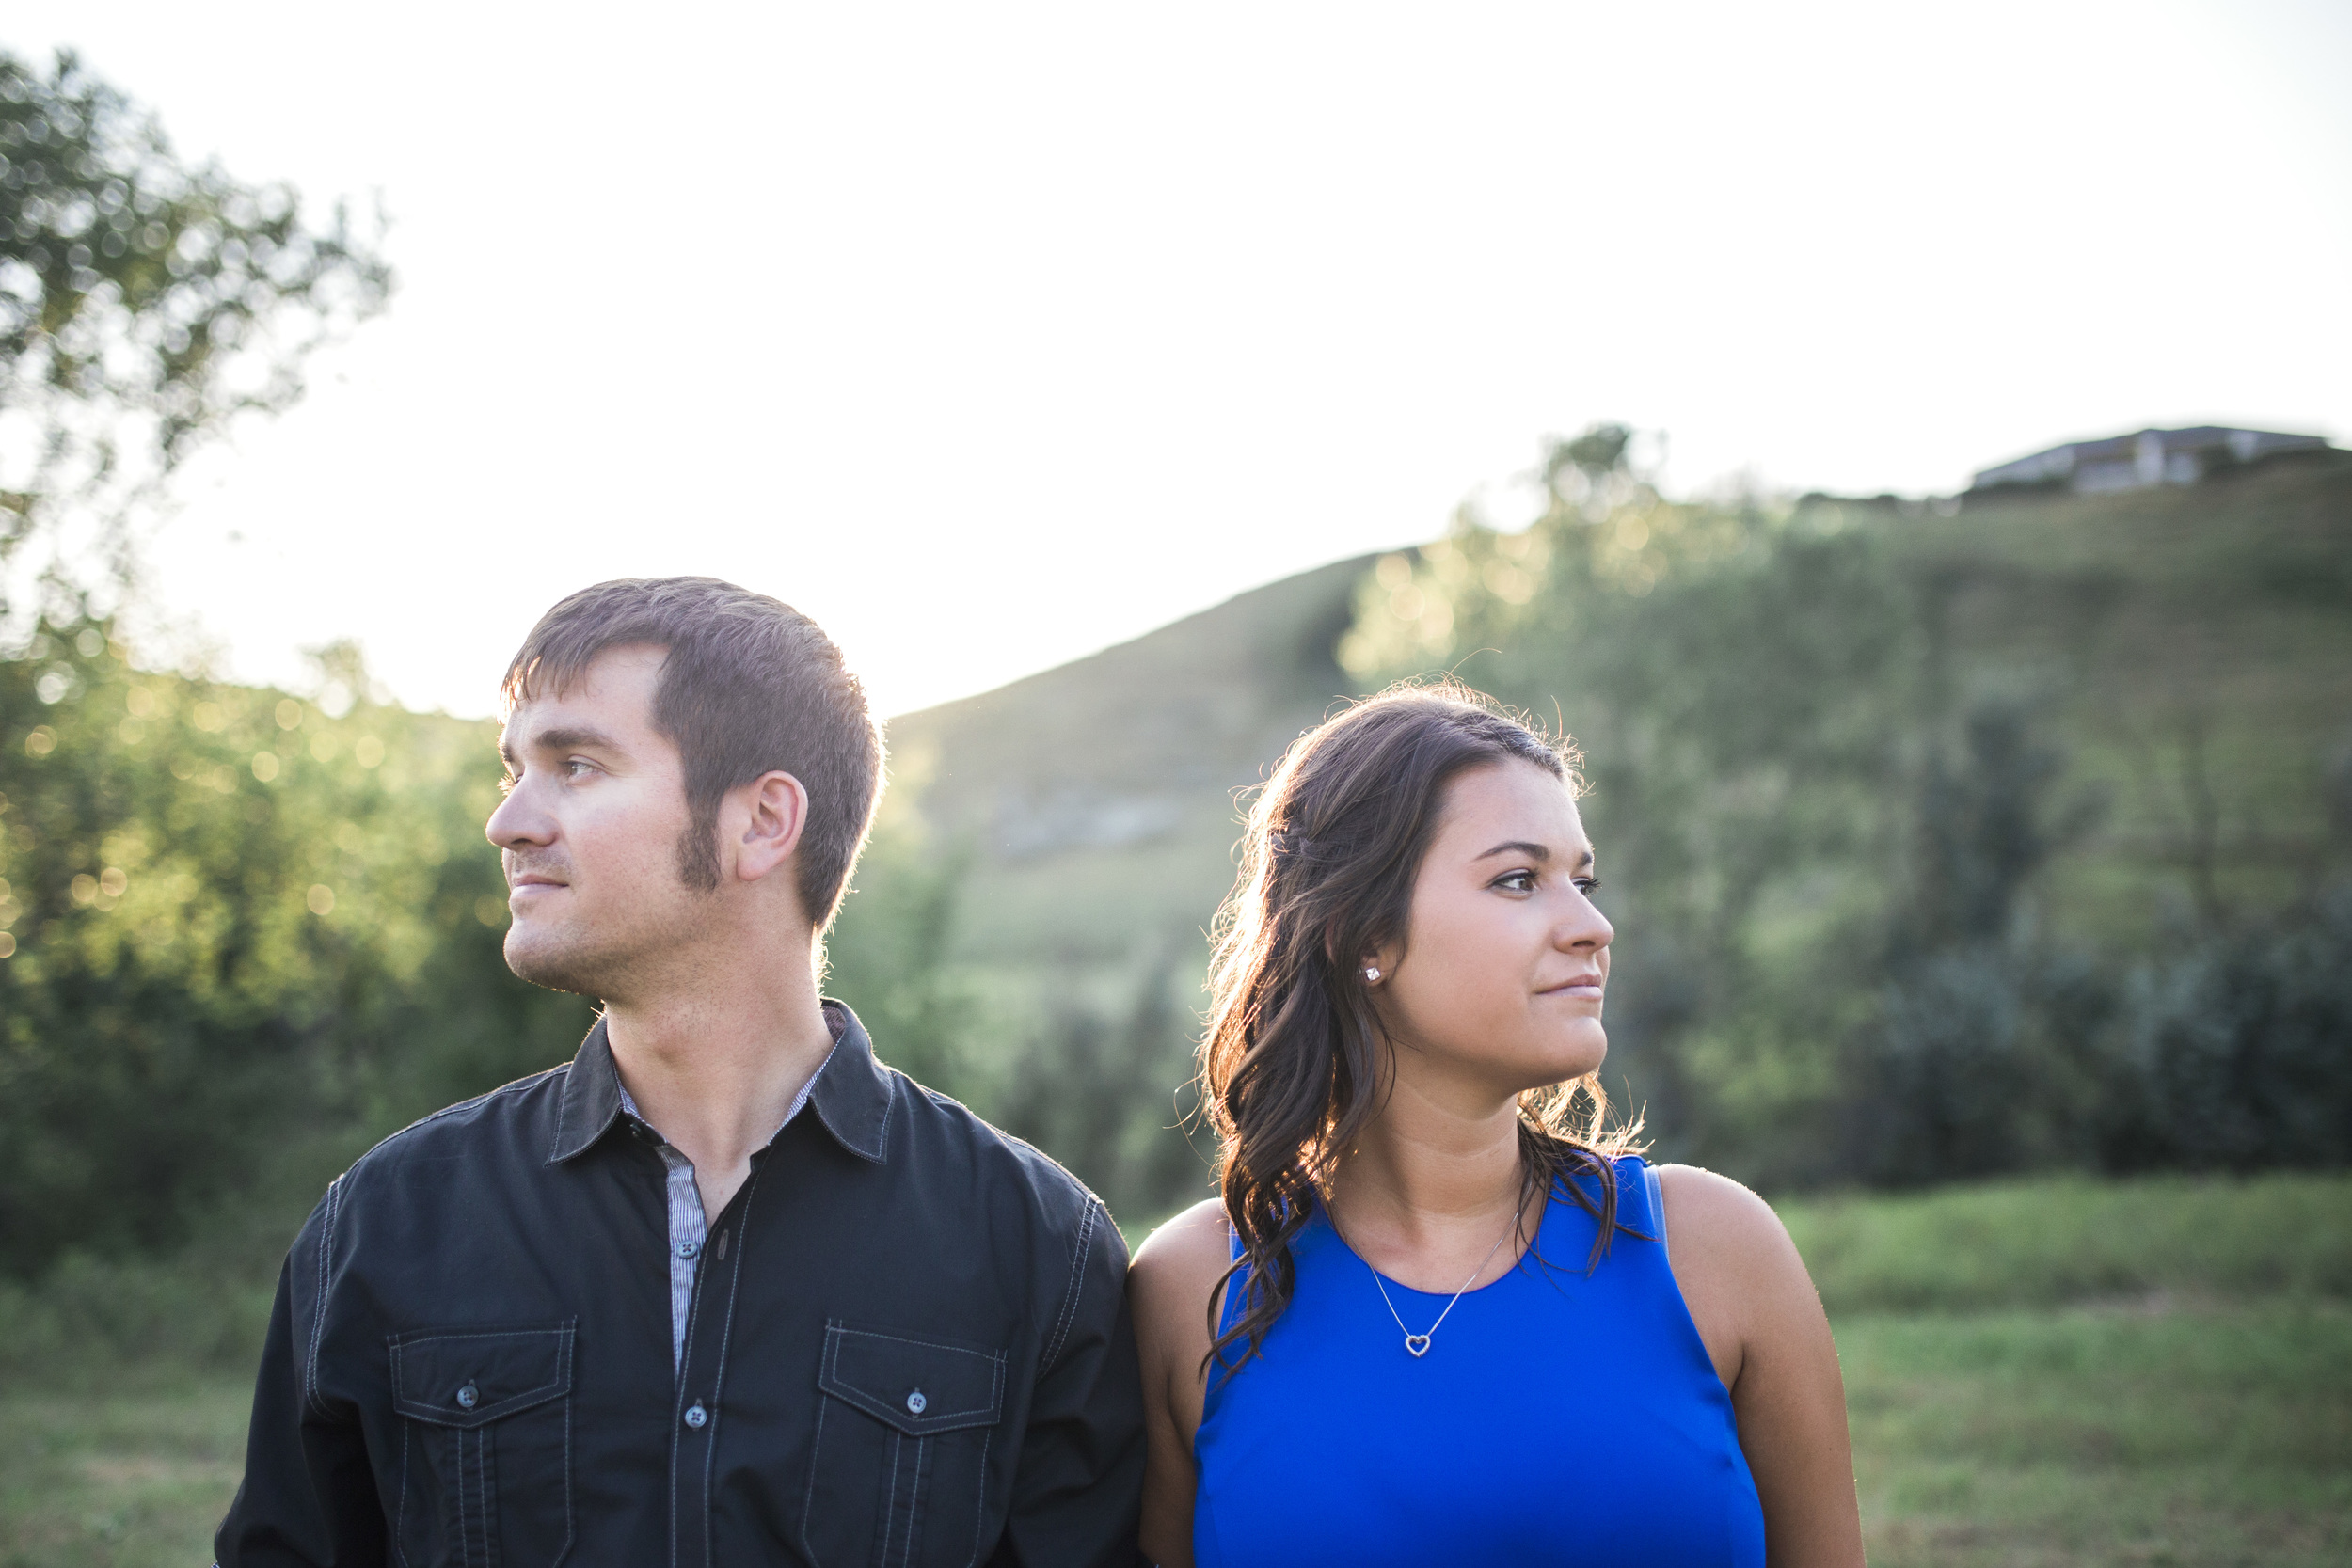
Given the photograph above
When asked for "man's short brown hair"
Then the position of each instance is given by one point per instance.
(749, 686)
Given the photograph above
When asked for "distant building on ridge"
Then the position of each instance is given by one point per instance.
(2149, 457)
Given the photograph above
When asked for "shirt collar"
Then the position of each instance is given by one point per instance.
(851, 1093)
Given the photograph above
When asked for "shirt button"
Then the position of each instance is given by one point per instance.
(469, 1397)
(696, 1415)
(916, 1402)
(688, 1249)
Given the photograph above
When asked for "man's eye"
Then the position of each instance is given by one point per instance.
(507, 782)
(578, 766)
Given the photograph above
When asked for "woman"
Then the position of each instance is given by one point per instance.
(1437, 1316)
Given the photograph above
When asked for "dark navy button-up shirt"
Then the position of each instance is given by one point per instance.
(907, 1343)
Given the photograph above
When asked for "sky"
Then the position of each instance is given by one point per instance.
(991, 336)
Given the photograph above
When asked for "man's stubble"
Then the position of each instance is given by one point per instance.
(610, 959)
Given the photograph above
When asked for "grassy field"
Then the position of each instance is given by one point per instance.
(2056, 1372)
(2143, 1432)
(136, 1470)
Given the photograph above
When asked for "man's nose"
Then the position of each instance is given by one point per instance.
(517, 821)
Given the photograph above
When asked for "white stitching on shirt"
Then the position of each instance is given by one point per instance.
(1069, 1292)
(317, 1301)
(726, 1337)
(980, 1515)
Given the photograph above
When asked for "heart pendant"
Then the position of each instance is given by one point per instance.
(1417, 1343)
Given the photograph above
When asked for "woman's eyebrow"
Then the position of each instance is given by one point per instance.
(1533, 851)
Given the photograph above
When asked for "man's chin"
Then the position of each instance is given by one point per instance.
(555, 964)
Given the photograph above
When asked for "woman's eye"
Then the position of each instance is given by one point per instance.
(1588, 885)
(1517, 882)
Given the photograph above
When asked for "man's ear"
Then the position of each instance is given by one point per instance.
(774, 811)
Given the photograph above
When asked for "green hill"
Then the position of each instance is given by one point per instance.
(2193, 645)
(1843, 748)
(1098, 797)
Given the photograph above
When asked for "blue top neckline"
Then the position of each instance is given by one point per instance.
(1322, 1216)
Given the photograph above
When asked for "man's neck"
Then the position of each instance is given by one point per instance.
(714, 1068)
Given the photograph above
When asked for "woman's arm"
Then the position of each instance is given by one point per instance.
(1762, 1322)
(1168, 1289)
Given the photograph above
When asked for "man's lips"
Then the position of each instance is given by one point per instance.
(532, 880)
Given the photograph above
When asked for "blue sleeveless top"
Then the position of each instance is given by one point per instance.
(1556, 1417)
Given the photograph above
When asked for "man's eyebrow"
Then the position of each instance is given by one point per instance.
(575, 738)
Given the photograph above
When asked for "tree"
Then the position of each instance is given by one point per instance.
(234, 924)
(143, 304)
(1862, 776)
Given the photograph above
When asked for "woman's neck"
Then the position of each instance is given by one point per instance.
(1429, 1168)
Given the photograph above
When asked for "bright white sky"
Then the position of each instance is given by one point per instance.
(989, 335)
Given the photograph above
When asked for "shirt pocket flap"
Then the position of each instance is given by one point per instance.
(466, 1377)
(919, 1385)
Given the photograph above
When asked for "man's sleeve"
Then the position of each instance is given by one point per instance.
(1079, 1490)
(309, 1495)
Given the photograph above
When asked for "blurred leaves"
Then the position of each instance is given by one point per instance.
(233, 921)
(1084, 1072)
(1836, 755)
(143, 302)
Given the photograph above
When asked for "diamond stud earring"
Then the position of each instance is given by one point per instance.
(1371, 975)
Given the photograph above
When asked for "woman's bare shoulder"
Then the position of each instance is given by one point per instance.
(1184, 1257)
(1712, 1208)
(1172, 1290)
(1720, 1234)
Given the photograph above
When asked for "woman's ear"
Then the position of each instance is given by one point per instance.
(1374, 965)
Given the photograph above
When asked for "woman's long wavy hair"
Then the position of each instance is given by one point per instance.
(1295, 1063)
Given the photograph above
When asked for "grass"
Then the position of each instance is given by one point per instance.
(2051, 1373)
(2067, 1371)
(2149, 1433)
(113, 1477)
(2056, 1240)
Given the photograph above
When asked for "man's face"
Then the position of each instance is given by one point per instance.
(590, 832)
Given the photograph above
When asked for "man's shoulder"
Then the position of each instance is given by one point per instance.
(998, 1160)
(514, 1119)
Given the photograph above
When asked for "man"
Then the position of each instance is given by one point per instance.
(725, 1288)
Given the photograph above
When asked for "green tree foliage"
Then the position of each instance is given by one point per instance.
(143, 302)
(2233, 1048)
(234, 920)
(1083, 1070)
(1876, 917)
(1091, 1085)
(244, 933)
(887, 953)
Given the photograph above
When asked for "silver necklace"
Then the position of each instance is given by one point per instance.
(1419, 1343)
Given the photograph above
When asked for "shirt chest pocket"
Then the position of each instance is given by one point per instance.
(905, 1424)
(485, 1456)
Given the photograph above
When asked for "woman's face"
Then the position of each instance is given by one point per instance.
(1500, 977)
